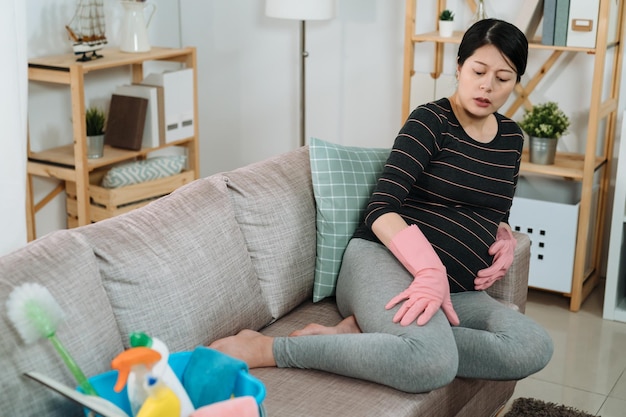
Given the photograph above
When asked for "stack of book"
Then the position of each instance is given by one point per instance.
(157, 111)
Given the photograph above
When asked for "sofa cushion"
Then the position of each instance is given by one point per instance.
(343, 181)
(328, 394)
(175, 267)
(64, 263)
(274, 206)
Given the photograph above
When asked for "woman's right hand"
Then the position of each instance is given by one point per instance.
(428, 292)
(430, 289)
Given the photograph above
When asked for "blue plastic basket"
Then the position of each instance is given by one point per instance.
(245, 384)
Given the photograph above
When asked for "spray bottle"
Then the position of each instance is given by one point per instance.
(133, 366)
(161, 401)
(163, 371)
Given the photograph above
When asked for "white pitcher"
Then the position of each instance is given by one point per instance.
(135, 27)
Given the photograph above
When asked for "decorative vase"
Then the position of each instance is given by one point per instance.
(480, 13)
(446, 28)
(95, 146)
(134, 31)
(542, 150)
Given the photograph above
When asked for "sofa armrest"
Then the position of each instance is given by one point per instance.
(513, 287)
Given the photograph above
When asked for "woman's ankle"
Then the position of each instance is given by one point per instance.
(254, 348)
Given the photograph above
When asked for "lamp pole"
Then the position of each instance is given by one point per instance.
(301, 10)
(303, 55)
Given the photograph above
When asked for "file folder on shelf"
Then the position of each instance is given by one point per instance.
(549, 18)
(178, 102)
(561, 22)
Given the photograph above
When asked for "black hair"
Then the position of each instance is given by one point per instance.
(505, 36)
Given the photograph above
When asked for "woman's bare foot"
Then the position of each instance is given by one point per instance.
(251, 347)
(347, 325)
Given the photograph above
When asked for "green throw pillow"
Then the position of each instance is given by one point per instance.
(343, 181)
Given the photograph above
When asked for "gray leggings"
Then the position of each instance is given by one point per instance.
(492, 342)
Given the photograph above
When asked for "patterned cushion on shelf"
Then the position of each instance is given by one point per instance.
(343, 180)
(140, 171)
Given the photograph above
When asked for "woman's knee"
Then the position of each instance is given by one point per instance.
(529, 353)
(436, 369)
(533, 348)
(540, 350)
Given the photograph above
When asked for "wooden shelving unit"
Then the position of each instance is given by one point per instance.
(69, 163)
(594, 162)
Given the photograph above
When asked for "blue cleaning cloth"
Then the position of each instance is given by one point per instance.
(210, 376)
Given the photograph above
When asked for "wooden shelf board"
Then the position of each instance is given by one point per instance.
(434, 37)
(64, 155)
(566, 165)
(43, 169)
(111, 57)
(458, 35)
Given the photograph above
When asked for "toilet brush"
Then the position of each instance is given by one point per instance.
(35, 314)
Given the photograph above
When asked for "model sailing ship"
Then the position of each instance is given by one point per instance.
(86, 29)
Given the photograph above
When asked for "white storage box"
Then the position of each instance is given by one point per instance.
(178, 102)
(583, 23)
(547, 211)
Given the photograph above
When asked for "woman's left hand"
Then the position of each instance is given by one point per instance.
(503, 252)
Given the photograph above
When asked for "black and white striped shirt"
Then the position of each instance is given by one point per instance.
(456, 190)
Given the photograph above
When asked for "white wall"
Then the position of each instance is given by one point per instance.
(13, 119)
(248, 76)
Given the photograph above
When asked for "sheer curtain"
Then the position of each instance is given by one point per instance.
(13, 119)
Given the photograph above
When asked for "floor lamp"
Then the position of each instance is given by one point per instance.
(302, 10)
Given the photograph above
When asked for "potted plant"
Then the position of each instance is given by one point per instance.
(545, 123)
(446, 23)
(94, 122)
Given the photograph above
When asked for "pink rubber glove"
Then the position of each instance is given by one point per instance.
(430, 289)
(503, 252)
(235, 407)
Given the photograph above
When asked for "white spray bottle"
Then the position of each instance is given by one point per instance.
(161, 402)
(133, 365)
(163, 371)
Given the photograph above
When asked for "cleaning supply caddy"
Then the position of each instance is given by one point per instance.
(207, 375)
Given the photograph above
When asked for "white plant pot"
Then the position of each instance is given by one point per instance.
(446, 28)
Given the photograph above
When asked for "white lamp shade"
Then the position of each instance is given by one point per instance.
(300, 9)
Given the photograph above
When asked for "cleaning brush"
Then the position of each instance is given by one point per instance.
(36, 314)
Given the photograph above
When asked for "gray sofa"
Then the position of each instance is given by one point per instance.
(231, 251)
